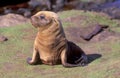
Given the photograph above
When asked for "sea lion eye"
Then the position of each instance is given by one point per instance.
(42, 16)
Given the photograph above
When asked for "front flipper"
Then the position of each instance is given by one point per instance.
(35, 58)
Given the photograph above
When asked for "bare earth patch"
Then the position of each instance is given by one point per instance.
(76, 30)
(12, 20)
(74, 34)
(105, 46)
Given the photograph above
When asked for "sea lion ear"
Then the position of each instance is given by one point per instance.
(56, 20)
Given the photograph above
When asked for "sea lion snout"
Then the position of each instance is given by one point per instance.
(41, 19)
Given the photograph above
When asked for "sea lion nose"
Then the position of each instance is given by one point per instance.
(42, 16)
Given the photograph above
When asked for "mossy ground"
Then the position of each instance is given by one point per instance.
(13, 53)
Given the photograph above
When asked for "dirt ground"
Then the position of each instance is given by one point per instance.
(75, 32)
(104, 46)
(12, 20)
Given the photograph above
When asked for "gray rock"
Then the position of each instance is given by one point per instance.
(24, 11)
(3, 38)
(112, 9)
(12, 20)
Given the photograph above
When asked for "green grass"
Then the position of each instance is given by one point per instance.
(89, 18)
(13, 53)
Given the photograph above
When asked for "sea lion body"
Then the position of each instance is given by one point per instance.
(51, 45)
(51, 42)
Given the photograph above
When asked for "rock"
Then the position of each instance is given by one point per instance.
(102, 1)
(12, 20)
(112, 9)
(57, 5)
(3, 38)
(40, 5)
(7, 10)
(54, 5)
(24, 11)
(94, 31)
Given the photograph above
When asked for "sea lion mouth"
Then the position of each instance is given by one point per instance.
(33, 20)
(40, 20)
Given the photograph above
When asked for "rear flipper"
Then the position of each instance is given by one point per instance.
(82, 61)
(77, 55)
(74, 56)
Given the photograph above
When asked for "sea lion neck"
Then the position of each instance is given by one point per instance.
(43, 28)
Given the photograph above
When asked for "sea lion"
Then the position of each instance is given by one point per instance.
(51, 46)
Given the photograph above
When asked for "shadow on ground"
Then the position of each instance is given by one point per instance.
(92, 57)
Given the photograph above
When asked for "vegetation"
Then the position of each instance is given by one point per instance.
(13, 53)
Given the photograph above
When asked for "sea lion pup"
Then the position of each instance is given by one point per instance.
(51, 46)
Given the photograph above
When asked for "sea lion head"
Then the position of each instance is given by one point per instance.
(44, 18)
